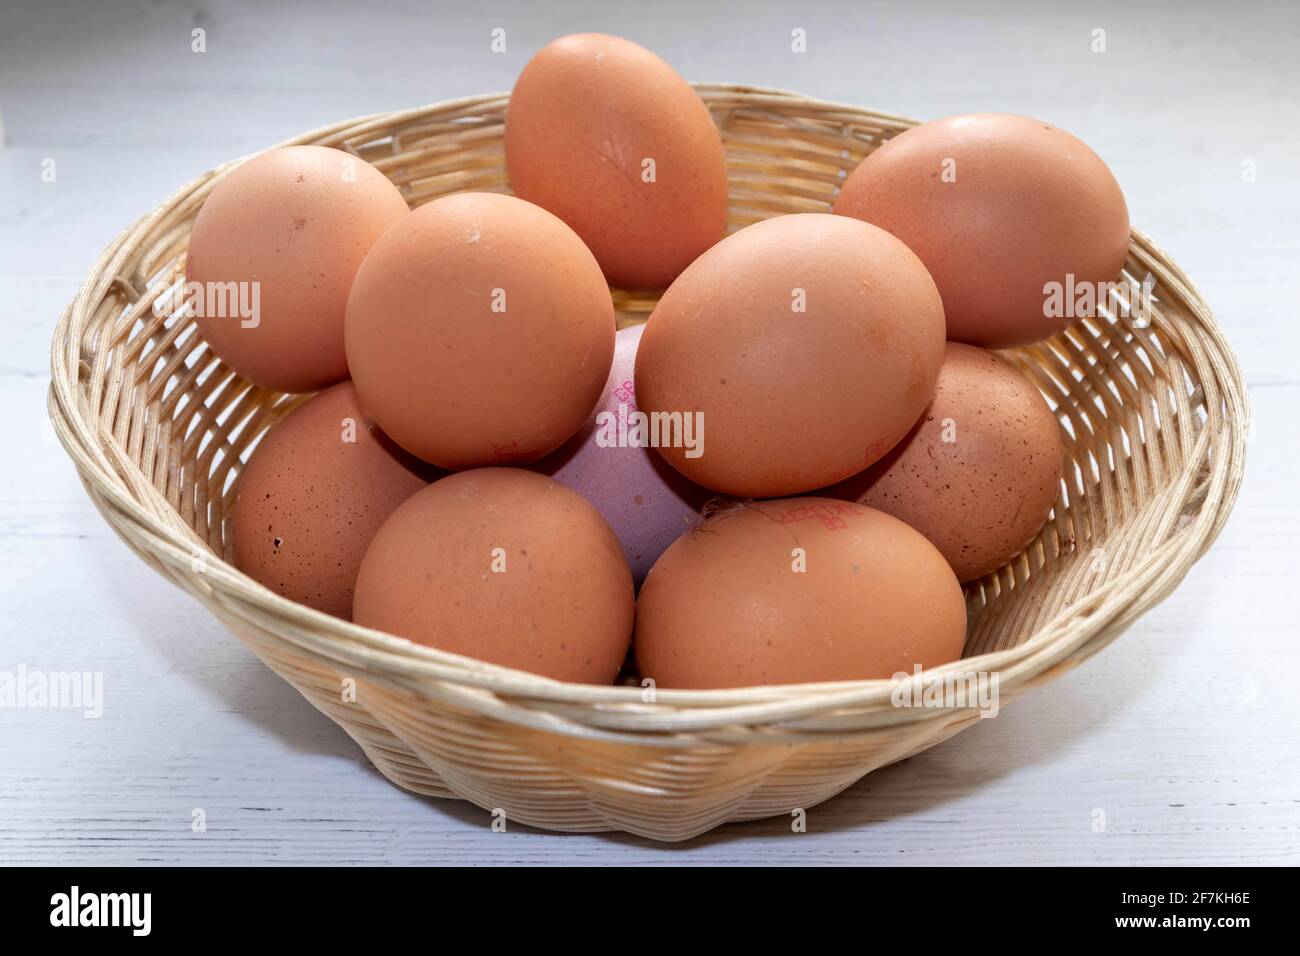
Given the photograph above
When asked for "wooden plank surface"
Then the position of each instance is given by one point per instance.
(1183, 733)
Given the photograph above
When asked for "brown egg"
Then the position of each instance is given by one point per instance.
(796, 591)
(803, 346)
(607, 136)
(507, 566)
(313, 494)
(979, 473)
(272, 256)
(480, 331)
(999, 208)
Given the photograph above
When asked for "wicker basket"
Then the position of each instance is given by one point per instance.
(1153, 417)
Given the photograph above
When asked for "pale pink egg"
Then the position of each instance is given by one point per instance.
(647, 502)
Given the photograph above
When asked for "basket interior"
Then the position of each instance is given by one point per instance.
(1130, 407)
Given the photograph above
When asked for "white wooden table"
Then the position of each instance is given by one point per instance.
(1184, 733)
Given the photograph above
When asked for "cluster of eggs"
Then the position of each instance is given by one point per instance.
(797, 458)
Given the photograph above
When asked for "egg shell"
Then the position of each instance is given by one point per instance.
(997, 207)
(726, 606)
(297, 222)
(979, 473)
(480, 331)
(810, 344)
(506, 566)
(646, 502)
(585, 116)
(314, 492)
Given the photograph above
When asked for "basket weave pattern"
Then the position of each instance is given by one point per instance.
(1153, 417)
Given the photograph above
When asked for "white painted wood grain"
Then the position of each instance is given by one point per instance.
(1183, 732)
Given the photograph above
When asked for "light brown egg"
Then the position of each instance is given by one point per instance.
(981, 470)
(607, 136)
(313, 494)
(796, 591)
(998, 207)
(480, 331)
(506, 566)
(807, 344)
(273, 252)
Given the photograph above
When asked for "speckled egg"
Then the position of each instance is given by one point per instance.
(645, 501)
(313, 494)
(273, 253)
(793, 591)
(507, 566)
(981, 470)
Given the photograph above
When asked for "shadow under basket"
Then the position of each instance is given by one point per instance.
(1152, 411)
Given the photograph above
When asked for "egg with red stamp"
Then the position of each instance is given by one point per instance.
(797, 590)
(647, 502)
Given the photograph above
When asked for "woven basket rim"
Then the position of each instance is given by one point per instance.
(113, 480)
